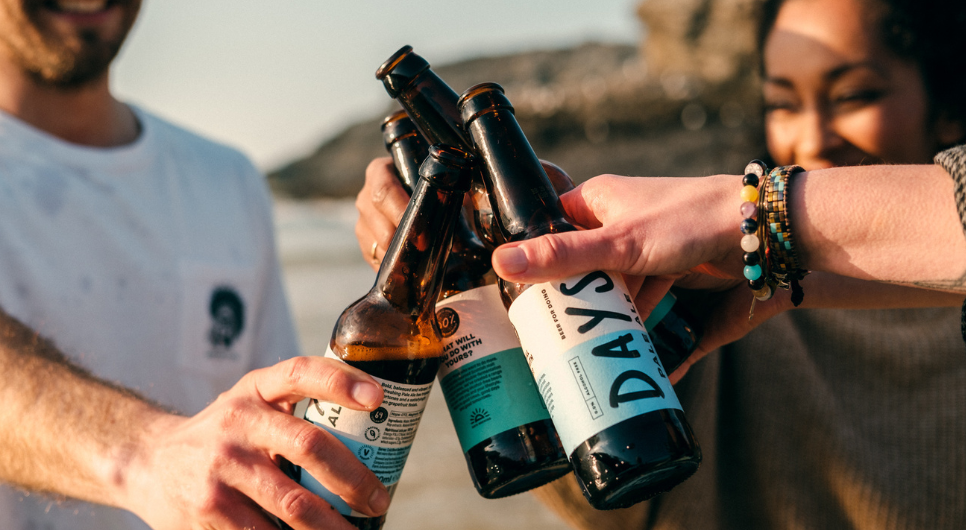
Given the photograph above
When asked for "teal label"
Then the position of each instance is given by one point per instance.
(661, 310)
(491, 395)
(485, 378)
(593, 361)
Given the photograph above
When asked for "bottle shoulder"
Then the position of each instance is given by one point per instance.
(374, 323)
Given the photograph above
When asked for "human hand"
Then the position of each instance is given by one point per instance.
(219, 468)
(637, 226)
(381, 204)
(725, 316)
(382, 201)
(669, 230)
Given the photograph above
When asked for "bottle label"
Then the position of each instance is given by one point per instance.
(381, 439)
(590, 354)
(660, 310)
(484, 375)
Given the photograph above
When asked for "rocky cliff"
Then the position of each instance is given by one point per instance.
(685, 103)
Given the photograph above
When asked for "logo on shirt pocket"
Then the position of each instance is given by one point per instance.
(227, 310)
(217, 310)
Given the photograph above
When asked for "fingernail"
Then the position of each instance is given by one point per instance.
(366, 394)
(511, 260)
(379, 501)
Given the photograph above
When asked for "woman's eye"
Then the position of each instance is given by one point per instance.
(778, 105)
(856, 99)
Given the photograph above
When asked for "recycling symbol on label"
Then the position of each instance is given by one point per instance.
(372, 434)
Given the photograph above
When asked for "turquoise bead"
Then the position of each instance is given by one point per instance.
(753, 272)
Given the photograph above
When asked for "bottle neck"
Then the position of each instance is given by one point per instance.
(432, 105)
(410, 276)
(407, 154)
(518, 186)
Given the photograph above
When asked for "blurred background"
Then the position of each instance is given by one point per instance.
(652, 87)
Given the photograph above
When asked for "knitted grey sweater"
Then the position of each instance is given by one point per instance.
(954, 162)
(821, 419)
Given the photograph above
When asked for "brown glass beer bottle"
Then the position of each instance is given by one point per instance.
(610, 399)
(432, 105)
(468, 264)
(504, 429)
(674, 332)
(392, 333)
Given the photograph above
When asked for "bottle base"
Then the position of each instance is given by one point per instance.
(363, 523)
(517, 460)
(661, 454)
(366, 523)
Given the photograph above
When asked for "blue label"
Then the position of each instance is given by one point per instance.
(380, 439)
(603, 382)
(661, 310)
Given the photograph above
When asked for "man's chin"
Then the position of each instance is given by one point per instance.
(72, 72)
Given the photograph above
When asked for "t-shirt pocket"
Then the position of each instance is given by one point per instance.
(218, 307)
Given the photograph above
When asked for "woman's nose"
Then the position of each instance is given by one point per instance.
(817, 140)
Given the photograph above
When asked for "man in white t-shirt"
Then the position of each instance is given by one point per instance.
(145, 254)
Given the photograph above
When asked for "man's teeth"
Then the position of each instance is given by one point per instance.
(83, 7)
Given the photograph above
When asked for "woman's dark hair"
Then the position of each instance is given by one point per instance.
(930, 33)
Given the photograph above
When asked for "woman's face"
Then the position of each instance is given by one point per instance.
(835, 95)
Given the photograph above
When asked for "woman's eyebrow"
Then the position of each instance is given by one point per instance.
(839, 71)
(780, 81)
(832, 75)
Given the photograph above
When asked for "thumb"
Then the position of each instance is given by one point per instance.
(562, 255)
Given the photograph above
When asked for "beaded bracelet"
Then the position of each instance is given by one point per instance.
(770, 256)
(756, 266)
(782, 253)
(750, 242)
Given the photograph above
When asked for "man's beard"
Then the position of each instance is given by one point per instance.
(56, 56)
(59, 67)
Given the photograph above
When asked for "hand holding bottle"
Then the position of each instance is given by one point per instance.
(675, 238)
(219, 467)
(688, 231)
(381, 203)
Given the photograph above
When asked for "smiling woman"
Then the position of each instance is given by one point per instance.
(65, 43)
(847, 86)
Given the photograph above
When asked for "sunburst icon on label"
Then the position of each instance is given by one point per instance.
(479, 416)
(366, 452)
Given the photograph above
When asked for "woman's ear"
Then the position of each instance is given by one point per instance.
(949, 132)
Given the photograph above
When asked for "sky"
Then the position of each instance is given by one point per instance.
(275, 78)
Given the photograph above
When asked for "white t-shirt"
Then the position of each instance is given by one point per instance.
(152, 264)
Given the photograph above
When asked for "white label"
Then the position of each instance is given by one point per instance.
(474, 324)
(593, 361)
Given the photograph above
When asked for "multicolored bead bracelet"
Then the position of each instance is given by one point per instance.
(770, 255)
